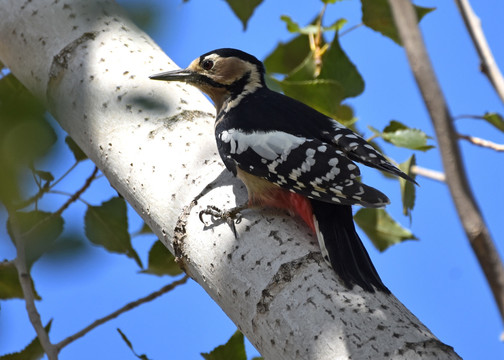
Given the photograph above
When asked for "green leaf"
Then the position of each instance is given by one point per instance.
(381, 229)
(345, 115)
(377, 15)
(126, 340)
(29, 140)
(25, 135)
(33, 351)
(287, 56)
(306, 70)
(408, 189)
(107, 225)
(336, 66)
(403, 136)
(243, 9)
(38, 230)
(145, 229)
(233, 349)
(322, 95)
(76, 150)
(495, 119)
(292, 26)
(336, 26)
(10, 288)
(161, 261)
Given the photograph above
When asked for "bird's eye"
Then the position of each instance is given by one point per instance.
(207, 64)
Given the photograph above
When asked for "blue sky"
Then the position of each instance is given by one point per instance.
(437, 277)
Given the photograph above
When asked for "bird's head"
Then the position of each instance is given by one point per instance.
(223, 74)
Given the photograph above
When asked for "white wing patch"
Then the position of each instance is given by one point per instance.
(268, 145)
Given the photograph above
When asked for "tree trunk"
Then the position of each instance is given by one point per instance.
(154, 141)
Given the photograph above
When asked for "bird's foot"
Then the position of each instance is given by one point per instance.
(231, 217)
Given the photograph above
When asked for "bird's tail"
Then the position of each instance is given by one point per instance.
(342, 248)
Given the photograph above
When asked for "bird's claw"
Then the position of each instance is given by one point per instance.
(231, 217)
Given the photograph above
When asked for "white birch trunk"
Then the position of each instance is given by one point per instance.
(154, 141)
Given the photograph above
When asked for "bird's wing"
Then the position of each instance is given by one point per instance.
(273, 111)
(311, 167)
(358, 149)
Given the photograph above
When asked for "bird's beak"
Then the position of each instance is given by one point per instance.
(183, 75)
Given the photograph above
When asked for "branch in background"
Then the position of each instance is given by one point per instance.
(78, 193)
(118, 312)
(428, 173)
(26, 285)
(488, 65)
(24, 275)
(456, 179)
(482, 142)
(63, 207)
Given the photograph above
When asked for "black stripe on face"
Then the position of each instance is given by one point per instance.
(203, 79)
(236, 88)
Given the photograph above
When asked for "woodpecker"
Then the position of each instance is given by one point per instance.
(290, 156)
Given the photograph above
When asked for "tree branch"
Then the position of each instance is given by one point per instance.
(482, 142)
(428, 173)
(456, 179)
(26, 285)
(488, 65)
(78, 193)
(74, 197)
(120, 311)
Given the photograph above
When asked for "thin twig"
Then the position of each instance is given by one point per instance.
(28, 294)
(68, 194)
(43, 189)
(33, 199)
(118, 312)
(72, 199)
(372, 137)
(65, 174)
(488, 65)
(350, 29)
(78, 193)
(469, 213)
(428, 173)
(482, 142)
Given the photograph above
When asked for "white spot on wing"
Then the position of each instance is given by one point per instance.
(333, 161)
(337, 125)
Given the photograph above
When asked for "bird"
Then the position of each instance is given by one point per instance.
(291, 157)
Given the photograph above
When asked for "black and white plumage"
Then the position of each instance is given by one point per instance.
(291, 156)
